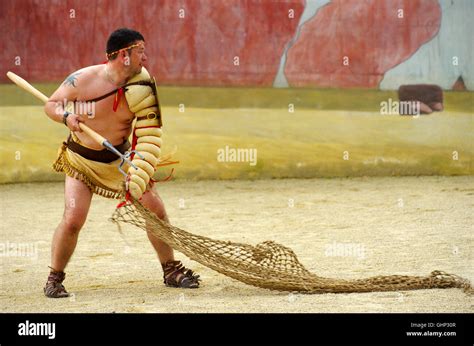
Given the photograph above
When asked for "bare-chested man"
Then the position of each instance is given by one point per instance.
(112, 119)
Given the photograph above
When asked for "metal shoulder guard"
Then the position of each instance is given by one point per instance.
(142, 99)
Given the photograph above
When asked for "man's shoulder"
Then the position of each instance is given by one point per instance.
(88, 70)
(83, 75)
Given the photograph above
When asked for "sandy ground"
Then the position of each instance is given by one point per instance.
(387, 226)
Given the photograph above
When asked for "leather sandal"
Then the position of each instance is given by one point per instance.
(175, 274)
(54, 287)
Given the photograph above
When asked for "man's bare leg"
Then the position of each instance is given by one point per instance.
(153, 202)
(77, 200)
(174, 273)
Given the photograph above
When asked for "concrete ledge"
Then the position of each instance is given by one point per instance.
(303, 144)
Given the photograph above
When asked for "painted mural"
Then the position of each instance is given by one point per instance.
(279, 43)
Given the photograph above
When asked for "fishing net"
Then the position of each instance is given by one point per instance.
(269, 264)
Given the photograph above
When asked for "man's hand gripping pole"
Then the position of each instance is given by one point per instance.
(125, 158)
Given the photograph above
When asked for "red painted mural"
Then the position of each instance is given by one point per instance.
(189, 42)
(352, 43)
(220, 42)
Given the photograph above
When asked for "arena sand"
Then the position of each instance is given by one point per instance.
(345, 228)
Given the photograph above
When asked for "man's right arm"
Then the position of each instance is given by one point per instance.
(56, 106)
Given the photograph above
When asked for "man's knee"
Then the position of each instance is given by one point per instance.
(161, 213)
(72, 224)
(159, 210)
(154, 203)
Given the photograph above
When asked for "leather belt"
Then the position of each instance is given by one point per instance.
(104, 155)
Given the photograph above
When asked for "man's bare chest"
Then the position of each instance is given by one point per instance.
(103, 109)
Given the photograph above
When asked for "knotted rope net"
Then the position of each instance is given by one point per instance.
(269, 264)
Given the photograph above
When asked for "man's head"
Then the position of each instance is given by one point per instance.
(127, 47)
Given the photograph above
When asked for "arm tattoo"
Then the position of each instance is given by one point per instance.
(72, 79)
